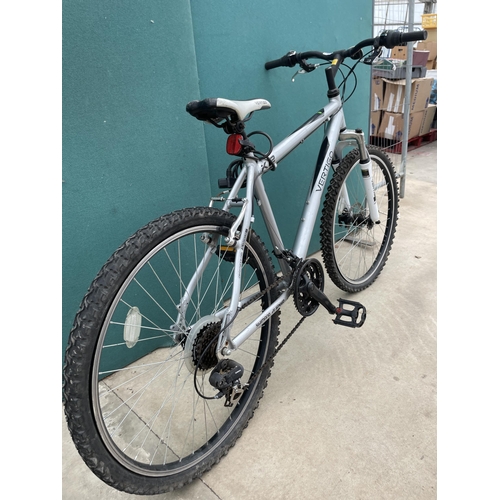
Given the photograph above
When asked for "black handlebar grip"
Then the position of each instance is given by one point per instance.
(394, 38)
(289, 60)
(276, 63)
(414, 36)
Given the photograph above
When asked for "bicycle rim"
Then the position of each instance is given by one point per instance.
(360, 247)
(148, 412)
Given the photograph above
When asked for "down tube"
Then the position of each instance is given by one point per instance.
(318, 184)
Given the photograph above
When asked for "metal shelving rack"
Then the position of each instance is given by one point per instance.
(401, 15)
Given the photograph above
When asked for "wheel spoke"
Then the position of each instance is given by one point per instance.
(355, 249)
(147, 410)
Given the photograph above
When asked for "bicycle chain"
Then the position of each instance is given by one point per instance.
(287, 338)
(271, 358)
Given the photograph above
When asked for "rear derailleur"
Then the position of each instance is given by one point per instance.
(225, 377)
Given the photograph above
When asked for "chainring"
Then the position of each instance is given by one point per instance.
(310, 270)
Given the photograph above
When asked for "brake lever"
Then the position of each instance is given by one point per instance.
(371, 57)
(305, 68)
(300, 72)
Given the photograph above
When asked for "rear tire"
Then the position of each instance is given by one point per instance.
(354, 249)
(131, 405)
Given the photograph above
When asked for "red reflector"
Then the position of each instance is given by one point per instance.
(233, 146)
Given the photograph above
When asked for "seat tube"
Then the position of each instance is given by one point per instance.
(242, 225)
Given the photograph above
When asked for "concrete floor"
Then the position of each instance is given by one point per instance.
(348, 414)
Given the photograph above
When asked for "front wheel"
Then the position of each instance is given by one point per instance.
(355, 249)
(138, 401)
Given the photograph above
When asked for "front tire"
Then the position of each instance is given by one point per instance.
(354, 249)
(132, 407)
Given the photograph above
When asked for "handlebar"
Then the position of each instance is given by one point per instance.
(388, 39)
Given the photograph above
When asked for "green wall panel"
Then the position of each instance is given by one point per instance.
(234, 40)
(130, 150)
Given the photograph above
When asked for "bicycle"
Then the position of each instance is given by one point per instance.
(174, 341)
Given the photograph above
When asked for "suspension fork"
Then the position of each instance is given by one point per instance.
(357, 138)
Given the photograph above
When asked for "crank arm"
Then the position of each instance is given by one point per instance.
(354, 317)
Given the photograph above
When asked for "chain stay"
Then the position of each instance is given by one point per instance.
(296, 266)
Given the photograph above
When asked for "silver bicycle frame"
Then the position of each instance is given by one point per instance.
(336, 138)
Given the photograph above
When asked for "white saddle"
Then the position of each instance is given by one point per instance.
(218, 108)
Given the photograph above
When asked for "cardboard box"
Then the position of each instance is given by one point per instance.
(432, 35)
(399, 52)
(377, 98)
(427, 119)
(394, 94)
(391, 125)
(431, 47)
(420, 58)
(375, 117)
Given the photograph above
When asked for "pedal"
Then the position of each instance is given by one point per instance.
(353, 317)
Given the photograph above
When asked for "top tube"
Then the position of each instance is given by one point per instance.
(287, 145)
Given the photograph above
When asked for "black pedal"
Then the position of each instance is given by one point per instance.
(354, 316)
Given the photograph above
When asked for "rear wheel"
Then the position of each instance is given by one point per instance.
(138, 402)
(355, 249)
